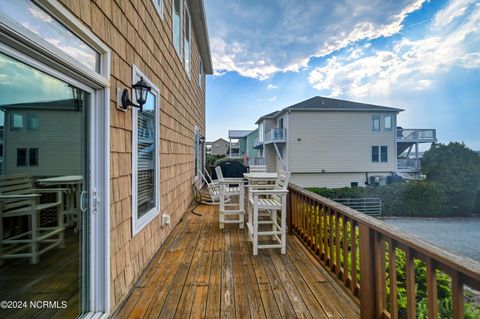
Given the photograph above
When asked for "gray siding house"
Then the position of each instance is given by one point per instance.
(333, 143)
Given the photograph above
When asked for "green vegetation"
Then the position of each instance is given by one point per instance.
(211, 159)
(451, 188)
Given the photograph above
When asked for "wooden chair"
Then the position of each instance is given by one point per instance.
(266, 201)
(231, 187)
(18, 198)
(257, 168)
(213, 188)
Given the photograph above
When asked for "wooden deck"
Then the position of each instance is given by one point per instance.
(202, 271)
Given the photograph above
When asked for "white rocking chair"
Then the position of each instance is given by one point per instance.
(267, 200)
(231, 187)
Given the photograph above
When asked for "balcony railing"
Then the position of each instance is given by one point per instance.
(408, 163)
(276, 134)
(361, 252)
(235, 145)
(257, 161)
(429, 135)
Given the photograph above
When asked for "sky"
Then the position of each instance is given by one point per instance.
(418, 55)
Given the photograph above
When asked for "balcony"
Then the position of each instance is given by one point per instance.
(257, 161)
(276, 135)
(339, 264)
(416, 135)
(408, 165)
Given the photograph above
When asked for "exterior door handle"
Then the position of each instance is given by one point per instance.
(83, 201)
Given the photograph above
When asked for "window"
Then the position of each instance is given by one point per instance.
(195, 151)
(36, 20)
(33, 157)
(188, 59)
(200, 73)
(261, 132)
(354, 184)
(387, 122)
(21, 157)
(375, 122)
(145, 159)
(380, 154)
(177, 23)
(16, 122)
(158, 4)
(32, 122)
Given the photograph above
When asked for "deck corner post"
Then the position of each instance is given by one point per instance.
(368, 295)
(289, 211)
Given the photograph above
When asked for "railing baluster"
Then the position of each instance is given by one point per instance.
(392, 271)
(457, 295)
(311, 224)
(322, 232)
(353, 245)
(431, 289)
(345, 250)
(380, 274)
(317, 228)
(410, 272)
(330, 239)
(337, 244)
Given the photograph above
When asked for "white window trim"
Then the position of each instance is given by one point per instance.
(40, 54)
(180, 49)
(139, 223)
(190, 64)
(159, 8)
(200, 73)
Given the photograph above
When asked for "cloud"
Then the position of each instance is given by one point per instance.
(273, 98)
(260, 38)
(453, 40)
(272, 87)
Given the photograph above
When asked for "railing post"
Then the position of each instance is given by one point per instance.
(289, 211)
(368, 295)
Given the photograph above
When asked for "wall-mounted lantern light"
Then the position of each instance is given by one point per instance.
(202, 139)
(141, 92)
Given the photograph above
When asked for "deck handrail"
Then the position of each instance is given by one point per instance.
(416, 134)
(365, 239)
(278, 133)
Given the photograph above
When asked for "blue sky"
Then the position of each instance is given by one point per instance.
(421, 56)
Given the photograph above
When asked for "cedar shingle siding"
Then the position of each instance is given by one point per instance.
(138, 36)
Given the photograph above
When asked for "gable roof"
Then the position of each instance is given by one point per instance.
(320, 103)
(220, 140)
(238, 133)
(199, 21)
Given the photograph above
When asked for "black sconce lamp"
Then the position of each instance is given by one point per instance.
(141, 91)
(202, 139)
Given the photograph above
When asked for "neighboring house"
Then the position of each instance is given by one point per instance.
(238, 142)
(327, 142)
(218, 147)
(252, 152)
(137, 167)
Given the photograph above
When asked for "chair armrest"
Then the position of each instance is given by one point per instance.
(232, 180)
(260, 186)
(269, 192)
(17, 197)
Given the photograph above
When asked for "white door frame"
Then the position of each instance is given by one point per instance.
(34, 51)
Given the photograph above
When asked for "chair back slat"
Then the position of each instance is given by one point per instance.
(15, 184)
(258, 168)
(282, 180)
(218, 170)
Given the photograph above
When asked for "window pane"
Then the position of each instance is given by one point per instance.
(16, 122)
(187, 42)
(388, 122)
(32, 122)
(176, 25)
(146, 156)
(376, 122)
(384, 154)
(36, 20)
(21, 157)
(375, 154)
(33, 157)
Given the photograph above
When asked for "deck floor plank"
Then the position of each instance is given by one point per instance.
(202, 271)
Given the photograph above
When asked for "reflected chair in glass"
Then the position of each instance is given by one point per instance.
(267, 201)
(231, 188)
(19, 199)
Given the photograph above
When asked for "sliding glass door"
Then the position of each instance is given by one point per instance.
(44, 226)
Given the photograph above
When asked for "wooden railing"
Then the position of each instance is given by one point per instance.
(361, 252)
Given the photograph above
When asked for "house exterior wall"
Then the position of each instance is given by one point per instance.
(325, 144)
(52, 123)
(138, 36)
(252, 152)
(331, 180)
(220, 147)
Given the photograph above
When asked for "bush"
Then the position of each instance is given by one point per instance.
(211, 159)
(419, 198)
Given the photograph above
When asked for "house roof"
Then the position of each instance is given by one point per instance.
(268, 116)
(197, 11)
(320, 103)
(238, 133)
(220, 140)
